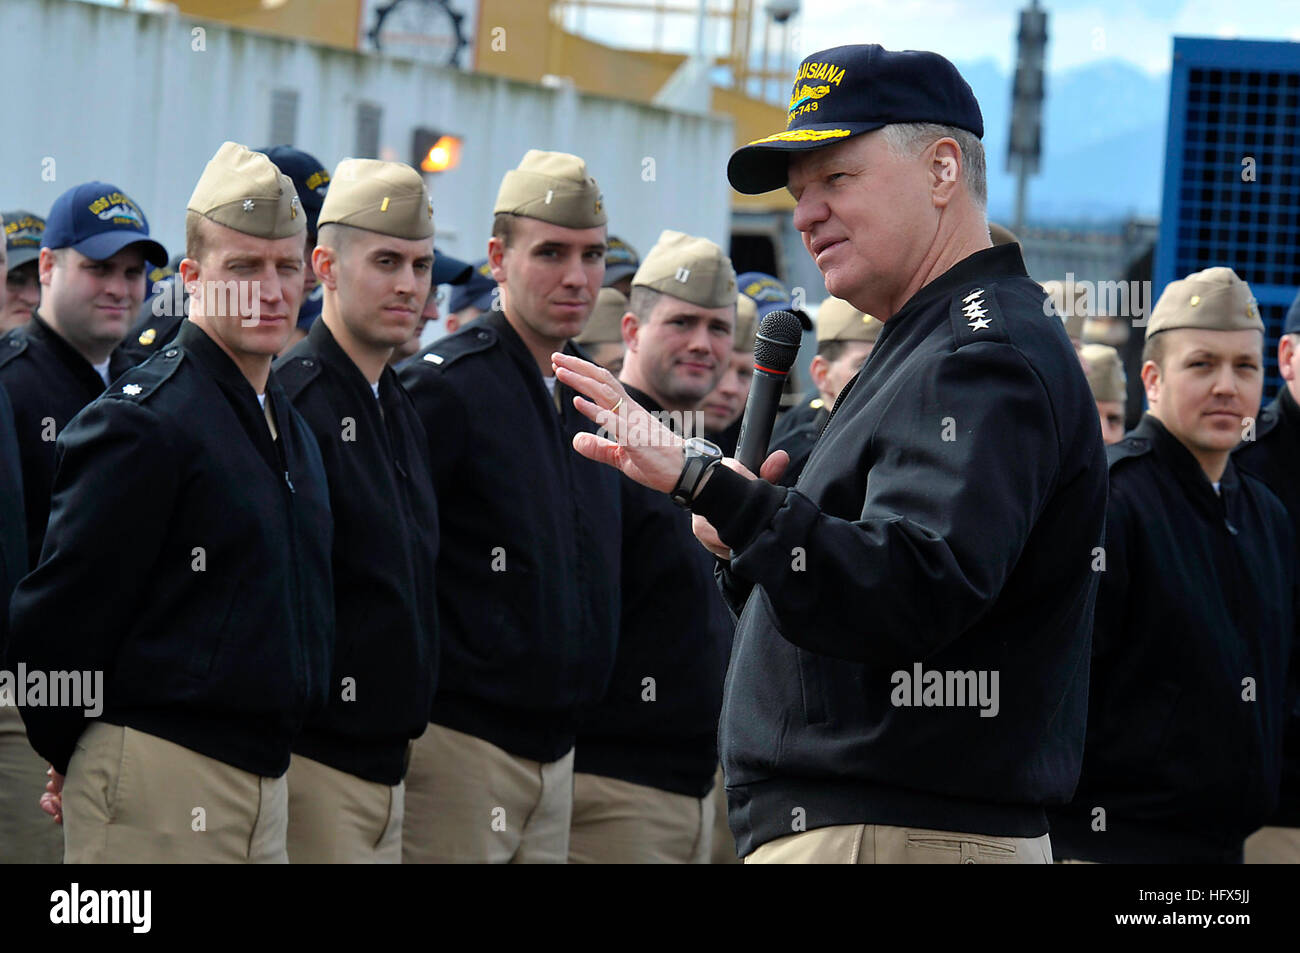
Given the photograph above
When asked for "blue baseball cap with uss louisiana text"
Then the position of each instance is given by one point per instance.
(846, 91)
(99, 220)
(769, 295)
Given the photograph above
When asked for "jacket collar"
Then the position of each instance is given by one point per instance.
(1173, 454)
(239, 392)
(642, 398)
(38, 329)
(986, 265)
(1287, 409)
(216, 361)
(330, 353)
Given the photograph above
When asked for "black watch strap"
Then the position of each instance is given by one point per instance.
(701, 454)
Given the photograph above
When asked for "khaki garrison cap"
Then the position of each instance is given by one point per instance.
(1105, 372)
(692, 269)
(243, 190)
(553, 187)
(1213, 300)
(1072, 312)
(605, 326)
(385, 197)
(839, 321)
(1001, 235)
(746, 324)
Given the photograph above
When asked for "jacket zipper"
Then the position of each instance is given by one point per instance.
(295, 580)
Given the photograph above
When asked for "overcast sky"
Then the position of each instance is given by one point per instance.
(1079, 31)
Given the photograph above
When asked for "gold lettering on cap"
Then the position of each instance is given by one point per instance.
(383, 207)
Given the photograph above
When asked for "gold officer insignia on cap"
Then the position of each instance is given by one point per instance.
(293, 207)
(430, 208)
(147, 336)
(383, 206)
(1196, 299)
(600, 206)
(132, 389)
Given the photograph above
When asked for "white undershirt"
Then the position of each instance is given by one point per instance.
(261, 401)
(102, 370)
(375, 388)
(550, 384)
(1216, 489)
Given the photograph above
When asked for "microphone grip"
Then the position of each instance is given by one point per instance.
(760, 414)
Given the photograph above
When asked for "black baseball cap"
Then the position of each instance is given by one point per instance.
(846, 91)
(99, 220)
(1291, 325)
(450, 271)
(23, 232)
(310, 178)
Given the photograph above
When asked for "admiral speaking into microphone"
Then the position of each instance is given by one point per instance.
(946, 524)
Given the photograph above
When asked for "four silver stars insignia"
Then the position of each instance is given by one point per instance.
(973, 308)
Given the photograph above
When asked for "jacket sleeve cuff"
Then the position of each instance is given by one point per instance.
(738, 508)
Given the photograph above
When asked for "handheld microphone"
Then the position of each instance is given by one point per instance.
(775, 348)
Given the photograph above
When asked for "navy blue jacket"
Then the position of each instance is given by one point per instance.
(385, 548)
(1198, 595)
(947, 518)
(49, 382)
(188, 559)
(13, 526)
(1274, 457)
(529, 562)
(675, 630)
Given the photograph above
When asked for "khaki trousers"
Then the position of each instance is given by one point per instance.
(339, 818)
(881, 844)
(27, 834)
(132, 798)
(617, 822)
(468, 801)
(1274, 845)
(724, 842)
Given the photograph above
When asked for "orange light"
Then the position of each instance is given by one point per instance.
(442, 155)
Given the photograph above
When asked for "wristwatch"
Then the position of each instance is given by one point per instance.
(701, 456)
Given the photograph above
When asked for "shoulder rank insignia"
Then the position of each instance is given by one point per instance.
(974, 310)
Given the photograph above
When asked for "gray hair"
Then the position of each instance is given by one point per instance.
(909, 138)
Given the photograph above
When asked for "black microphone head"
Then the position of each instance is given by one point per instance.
(777, 343)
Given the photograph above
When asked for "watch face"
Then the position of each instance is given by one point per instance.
(705, 448)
